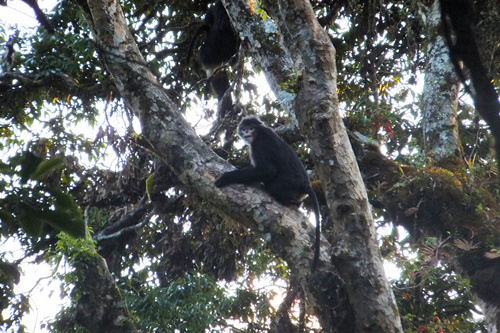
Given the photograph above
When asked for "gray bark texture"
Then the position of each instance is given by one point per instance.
(101, 307)
(440, 94)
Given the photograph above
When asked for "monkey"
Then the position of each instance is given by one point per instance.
(275, 164)
(218, 47)
(9, 57)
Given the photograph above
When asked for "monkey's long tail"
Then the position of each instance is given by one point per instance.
(317, 244)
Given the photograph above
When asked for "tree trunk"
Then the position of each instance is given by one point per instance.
(356, 255)
(440, 94)
(101, 307)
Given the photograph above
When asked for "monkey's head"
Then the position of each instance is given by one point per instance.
(248, 128)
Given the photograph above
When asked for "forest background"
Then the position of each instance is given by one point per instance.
(147, 243)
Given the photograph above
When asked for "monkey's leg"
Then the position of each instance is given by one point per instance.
(220, 85)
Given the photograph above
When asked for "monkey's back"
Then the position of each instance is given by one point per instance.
(288, 173)
(221, 43)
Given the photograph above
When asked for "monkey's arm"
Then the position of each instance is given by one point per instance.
(247, 175)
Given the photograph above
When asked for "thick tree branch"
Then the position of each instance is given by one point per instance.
(264, 44)
(101, 307)
(440, 95)
(128, 222)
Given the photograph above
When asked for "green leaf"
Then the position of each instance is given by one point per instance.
(5, 168)
(10, 271)
(5, 216)
(70, 224)
(67, 215)
(150, 183)
(29, 164)
(46, 166)
(64, 200)
(30, 221)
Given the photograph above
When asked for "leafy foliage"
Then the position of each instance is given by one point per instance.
(429, 294)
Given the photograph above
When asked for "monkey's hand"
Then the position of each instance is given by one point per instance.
(247, 175)
(223, 180)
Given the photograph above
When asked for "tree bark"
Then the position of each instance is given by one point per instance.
(440, 94)
(101, 307)
(491, 315)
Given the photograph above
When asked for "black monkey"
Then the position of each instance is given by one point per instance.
(277, 166)
(219, 46)
(9, 57)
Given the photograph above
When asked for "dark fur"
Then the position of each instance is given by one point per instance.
(220, 43)
(277, 166)
(219, 46)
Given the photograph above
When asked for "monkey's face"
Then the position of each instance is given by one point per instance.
(247, 134)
